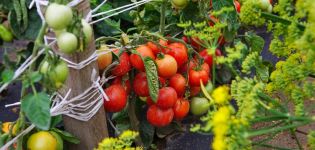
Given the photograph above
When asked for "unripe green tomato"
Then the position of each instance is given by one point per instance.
(67, 42)
(44, 67)
(87, 31)
(179, 4)
(58, 16)
(264, 4)
(59, 74)
(270, 8)
(199, 105)
(5, 34)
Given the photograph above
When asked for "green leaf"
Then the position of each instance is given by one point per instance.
(152, 77)
(33, 27)
(35, 77)
(7, 75)
(37, 109)
(66, 136)
(146, 133)
(55, 121)
(254, 41)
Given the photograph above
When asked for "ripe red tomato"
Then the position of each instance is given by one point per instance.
(179, 52)
(124, 65)
(159, 117)
(221, 40)
(237, 6)
(206, 67)
(167, 66)
(140, 85)
(181, 108)
(157, 49)
(195, 75)
(162, 81)
(117, 98)
(194, 90)
(178, 82)
(125, 84)
(166, 98)
(149, 101)
(208, 57)
(136, 60)
(185, 39)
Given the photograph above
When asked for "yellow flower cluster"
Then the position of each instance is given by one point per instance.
(220, 123)
(221, 95)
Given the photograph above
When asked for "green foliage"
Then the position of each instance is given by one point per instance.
(37, 109)
(251, 13)
(311, 140)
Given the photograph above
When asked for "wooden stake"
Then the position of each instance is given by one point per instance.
(93, 131)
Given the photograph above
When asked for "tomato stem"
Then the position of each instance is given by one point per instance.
(162, 17)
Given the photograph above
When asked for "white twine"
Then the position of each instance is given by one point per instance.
(133, 5)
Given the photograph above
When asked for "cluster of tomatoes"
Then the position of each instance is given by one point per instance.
(177, 76)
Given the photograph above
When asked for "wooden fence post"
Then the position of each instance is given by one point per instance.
(93, 131)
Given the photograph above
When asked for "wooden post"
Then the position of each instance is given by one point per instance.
(93, 131)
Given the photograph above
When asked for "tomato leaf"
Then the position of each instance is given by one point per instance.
(37, 109)
(146, 133)
(66, 136)
(255, 42)
(7, 75)
(152, 77)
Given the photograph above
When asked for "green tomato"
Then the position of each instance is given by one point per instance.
(58, 16)
(5, 34)
(87, 31)
(67, 42)
(44, 67)
(264, 4)
(270, 8)
(179, 4)
(59, 74)
(199, 105)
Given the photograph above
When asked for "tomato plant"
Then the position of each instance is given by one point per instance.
(124, 65)
(159, 117)
(167, 66)
(167, 98)
(117, 98)
(136, 60)
(181, 108)
(140, 85)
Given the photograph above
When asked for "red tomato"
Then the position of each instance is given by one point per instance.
(221, 40)
(185, 39)
(196, 75)
(194, 90)
(167, 98)
(206, 67)
(157, 49)
(149, 101)
(125, 84)
(136, 60)
(237, 6)
(167, 66)
(179, 52)
(181, 108)
(208, 57)
(140, 85)
(159, 117)
(178, 82)
(184, 68)
(162, 81)
(117, 98)
(124, 65)
(270, 1)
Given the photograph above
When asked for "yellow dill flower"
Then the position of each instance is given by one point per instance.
(221, 116)
(219, 143)
(221, 95)
(128, 134)
(220, 130)
(107, 143)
